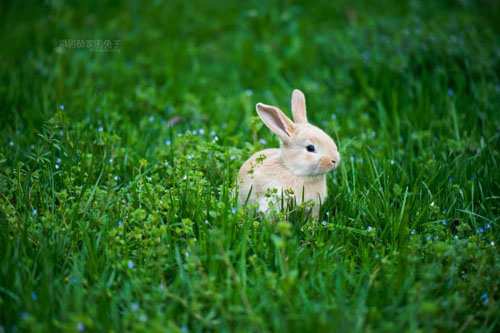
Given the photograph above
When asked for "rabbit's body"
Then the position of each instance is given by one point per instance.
(300, 164)
(265, 170)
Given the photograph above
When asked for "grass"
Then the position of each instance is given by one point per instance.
(116, 168)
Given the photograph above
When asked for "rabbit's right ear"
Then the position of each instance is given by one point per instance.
(276, 121)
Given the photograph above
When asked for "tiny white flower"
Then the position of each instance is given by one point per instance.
(187, 254)
(413, 232)
(202, 131)
(110, 160)
(57, 167)
(116, 178)
(392, 162)
(184, 177)
(432, 204)
(190, 156)
(216, 139)
(492, 243)
(11, 143)
(206, 221)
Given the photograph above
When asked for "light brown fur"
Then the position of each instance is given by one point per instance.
(290, 167)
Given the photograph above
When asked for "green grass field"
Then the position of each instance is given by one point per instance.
(118, 158)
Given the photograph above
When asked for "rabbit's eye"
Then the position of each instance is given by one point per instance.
(311, 149)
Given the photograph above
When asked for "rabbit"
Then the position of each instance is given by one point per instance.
(305, 156)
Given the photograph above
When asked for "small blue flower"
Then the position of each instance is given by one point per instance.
(249, 92)
(161, 287)
(24, 315)
(151, 119)
(168, 142)
(120, 223)
(34, 295)
(324, 222)
(166, 163)
(116, 178)
(487, 225)
(450, 92)
(187, 254)
(110, 160)
(376, 256)
(61, 106)
(130, 264)
(455, 237)
(206, 222)
(436, 237)
(190, 156)
(33, 212)
(100, 129)
(480, 229)
(11, 143)
(369, 229)
(435, 138)
(184, 177)
(232, 157)
(428, 238)
(74, 279)
(58, 160)
(484, 298)
(352, 158)
(233, 210)
(202, 131)
(262, 141)
(134, 306)
(444, 222)
(492, 243)
(413, 232)
(450, 179)
(212, 133)
(195, 132)
(32, 147)
(80, 327)
(57, 166)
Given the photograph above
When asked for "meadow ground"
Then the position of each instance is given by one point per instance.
(117, 161)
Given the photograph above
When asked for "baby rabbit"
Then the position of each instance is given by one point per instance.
(300, 164)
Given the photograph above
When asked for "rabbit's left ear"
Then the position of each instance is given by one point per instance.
(299, 107)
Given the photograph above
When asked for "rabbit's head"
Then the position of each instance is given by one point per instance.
(305, 149)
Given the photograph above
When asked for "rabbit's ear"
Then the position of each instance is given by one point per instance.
(276, 121)
(299, 107)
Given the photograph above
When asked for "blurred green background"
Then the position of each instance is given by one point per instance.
(116, 165)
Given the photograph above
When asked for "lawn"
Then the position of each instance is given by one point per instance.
(124, 124)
